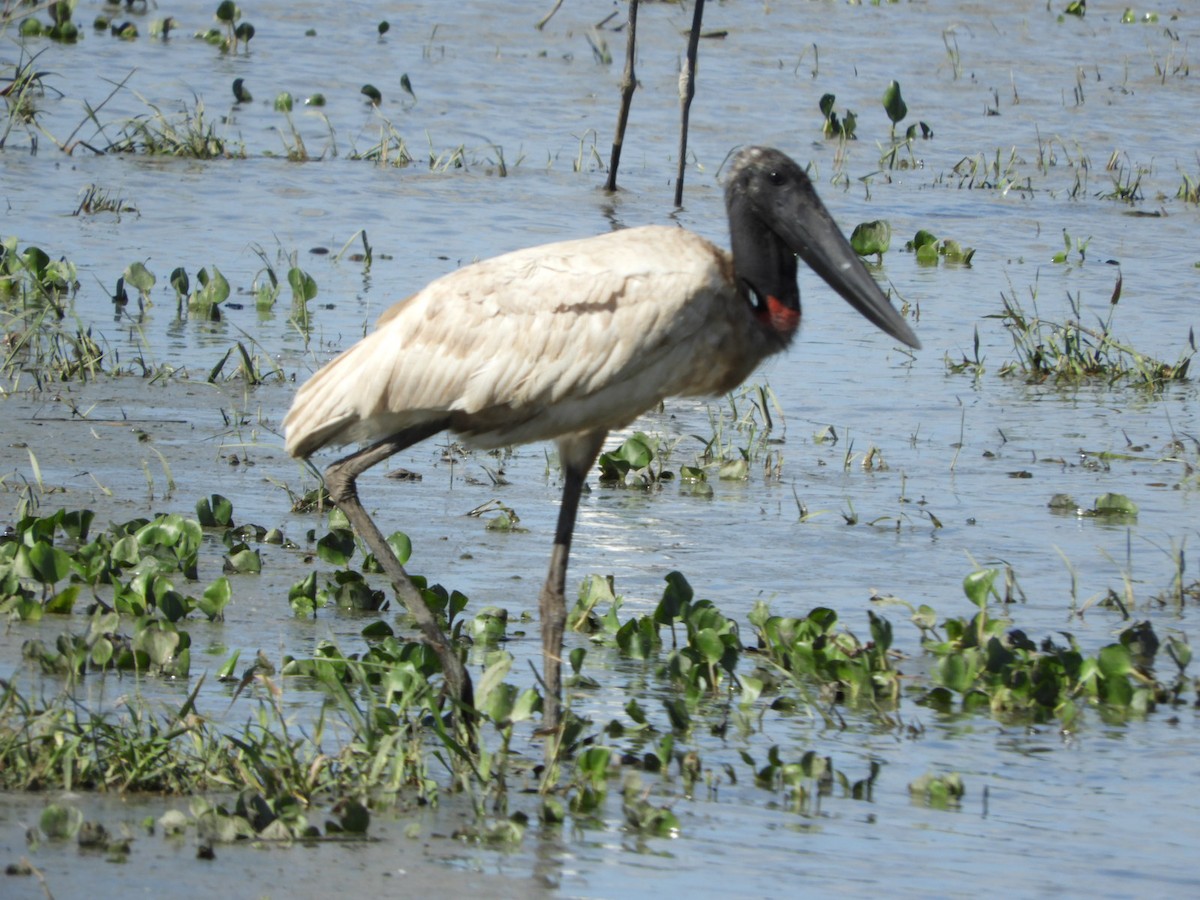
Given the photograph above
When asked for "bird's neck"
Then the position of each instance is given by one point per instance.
(765, 271)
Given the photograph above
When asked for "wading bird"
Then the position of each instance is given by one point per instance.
(568, 341)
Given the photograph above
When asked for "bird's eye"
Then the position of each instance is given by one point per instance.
(775, 178)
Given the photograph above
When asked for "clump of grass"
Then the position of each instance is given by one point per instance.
(96, 200)
(1189, 190)
(1071, 352)
(39, 336)
(1126, 180)
(742, 435)
(188, 135)
(998, 172)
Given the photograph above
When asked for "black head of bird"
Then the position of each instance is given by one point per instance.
(776, 216)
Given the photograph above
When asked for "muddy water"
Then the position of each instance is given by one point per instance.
(982, 456)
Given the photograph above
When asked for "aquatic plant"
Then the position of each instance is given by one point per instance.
(187, 134)
(842, 127)
(929, 250)
(1072, 352)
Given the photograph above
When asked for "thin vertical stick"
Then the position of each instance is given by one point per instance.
(628, 86)
(687, 90)
(546, 18)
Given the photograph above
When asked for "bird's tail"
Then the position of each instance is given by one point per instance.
(324, 411)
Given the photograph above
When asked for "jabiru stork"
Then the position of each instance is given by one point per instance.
(567, 341)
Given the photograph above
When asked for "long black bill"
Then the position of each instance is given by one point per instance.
(811, 232)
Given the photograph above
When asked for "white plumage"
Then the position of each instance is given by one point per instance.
(540, 343)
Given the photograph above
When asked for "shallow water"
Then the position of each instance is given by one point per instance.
(1107, 810)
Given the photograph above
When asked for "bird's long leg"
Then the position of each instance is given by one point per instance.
(576, 455)
(340, 481)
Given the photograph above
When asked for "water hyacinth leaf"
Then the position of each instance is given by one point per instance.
(76, 523)
(302, 596)
(871, 238)
(63, 602)
(215, 511)
(634, 710)
(401, 546)
(921, 239)
(552, 812)
(956, 253)
(893, 103)
(179, 281)
(527, 704)
(979, 585)
(954, 673)
(283, 102)
(881, 631)
(927, 255)
(59, 822)
(677, 597)
(304, 286)
(1179, 651)
(244, 561)
(214, 289)
(491, 684)
(353, 816)
(336, 547)
(634, 454)
(1115, 661)
(752, 689)
(734, 470)
(173, 605)
(710, 645)
(677, 712)
(215, 598)
(101, 652)
(576, 658)
(158, 643)
(593, 766)
(138, 276)
(172, 532)
(1115, 505)
(489, 624)
(49, 564)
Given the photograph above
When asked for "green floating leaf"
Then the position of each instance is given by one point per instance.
(304, 286)
(336, 547)
(1115, 661)
(893, 103)
(1114, 505)
(138, 276)
(871, 238)
(59, 822)
(215, 511)
(978, 585)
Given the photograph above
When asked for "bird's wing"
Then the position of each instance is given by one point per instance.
(529, 345)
